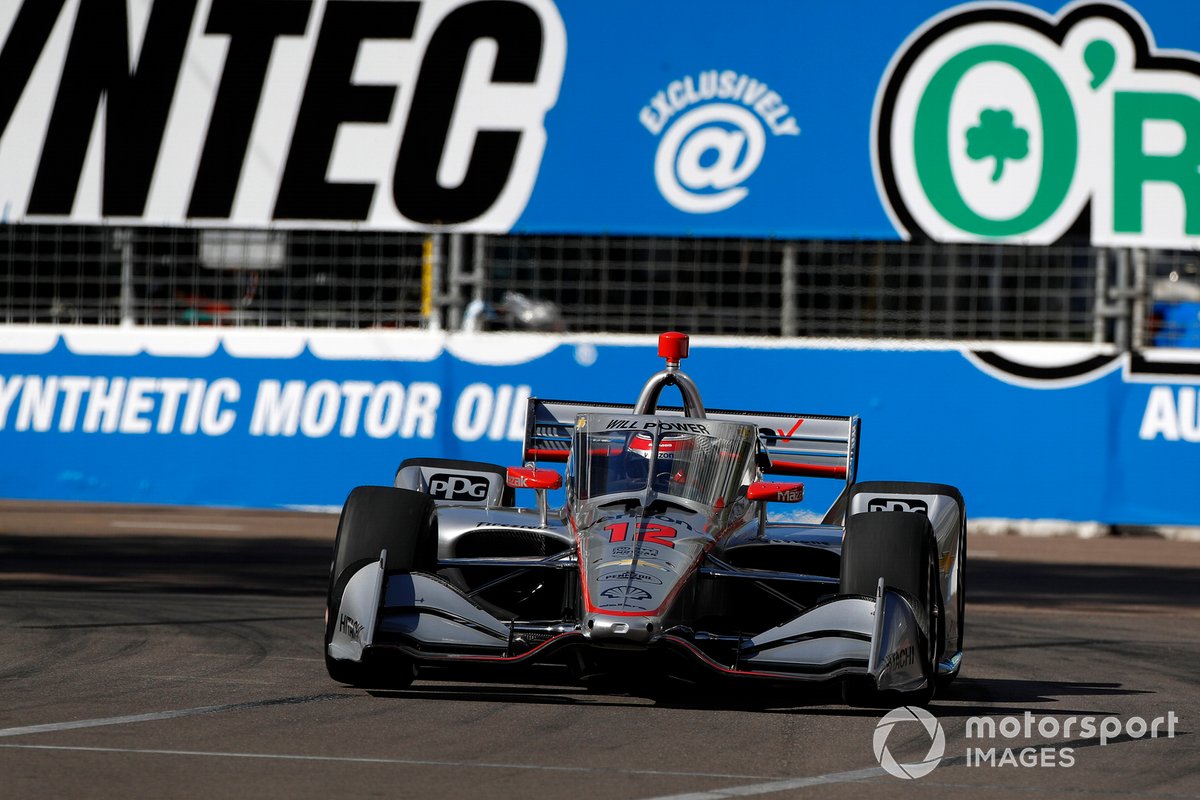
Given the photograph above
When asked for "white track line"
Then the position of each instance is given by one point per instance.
(51, 727)
(410, 762)
(778, 785)
(176, 526)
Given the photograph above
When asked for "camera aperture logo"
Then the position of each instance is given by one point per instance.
(714, 134)
(903, 716)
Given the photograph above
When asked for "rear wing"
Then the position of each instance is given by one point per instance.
(814, 446)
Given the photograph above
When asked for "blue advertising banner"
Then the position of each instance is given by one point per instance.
(296, 420)
(986, 121)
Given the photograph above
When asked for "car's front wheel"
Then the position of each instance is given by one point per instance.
(375, 519)
(900, 548)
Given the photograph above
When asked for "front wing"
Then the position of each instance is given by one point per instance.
(431, 621)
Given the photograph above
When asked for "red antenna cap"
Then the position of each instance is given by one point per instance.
(673, 346)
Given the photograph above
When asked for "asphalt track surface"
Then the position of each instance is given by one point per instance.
(170, 653)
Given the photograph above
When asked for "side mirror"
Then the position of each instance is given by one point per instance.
(533, 478)
(775, 492)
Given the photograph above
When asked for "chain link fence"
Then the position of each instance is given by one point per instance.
(809, 288)
(349, 279)
(158, 276)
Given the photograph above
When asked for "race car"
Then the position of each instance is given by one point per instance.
(662, 559)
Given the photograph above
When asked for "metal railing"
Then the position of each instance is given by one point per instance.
(758, 287)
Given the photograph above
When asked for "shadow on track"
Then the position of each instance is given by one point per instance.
(965, 698)
(277, 566)
(297, 566)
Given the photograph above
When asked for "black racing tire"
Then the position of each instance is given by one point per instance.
(396, 672)
(900, 548)
(377, 518)
(507, 497)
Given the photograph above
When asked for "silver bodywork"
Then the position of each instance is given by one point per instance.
(596, 577)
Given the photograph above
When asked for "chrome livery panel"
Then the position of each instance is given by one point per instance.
(431, 611)
(354, 627)
(455, 521)
(825, 637)
(633, 564)
(896, 644)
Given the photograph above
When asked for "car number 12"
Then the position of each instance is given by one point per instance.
(650, 532)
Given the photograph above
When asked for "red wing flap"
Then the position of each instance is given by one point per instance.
(552, 455)
(780, 467)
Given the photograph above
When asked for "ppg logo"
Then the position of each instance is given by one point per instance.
(892, 504)
(458, 487)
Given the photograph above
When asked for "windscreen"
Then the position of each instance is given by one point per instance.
(700, 461)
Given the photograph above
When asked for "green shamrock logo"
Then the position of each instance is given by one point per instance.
(997, 137)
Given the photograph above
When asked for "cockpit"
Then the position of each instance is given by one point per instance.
(699, 461)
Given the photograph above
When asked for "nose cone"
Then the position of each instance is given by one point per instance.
(613, 629)
(633, 567)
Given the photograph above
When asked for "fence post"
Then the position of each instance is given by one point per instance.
(1099, 305)
(454, 309)
(479, 266)
(431, 259)
(1138, 301)
(1120, 294)
(123, 241)
(476, 312)
(787, 291)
